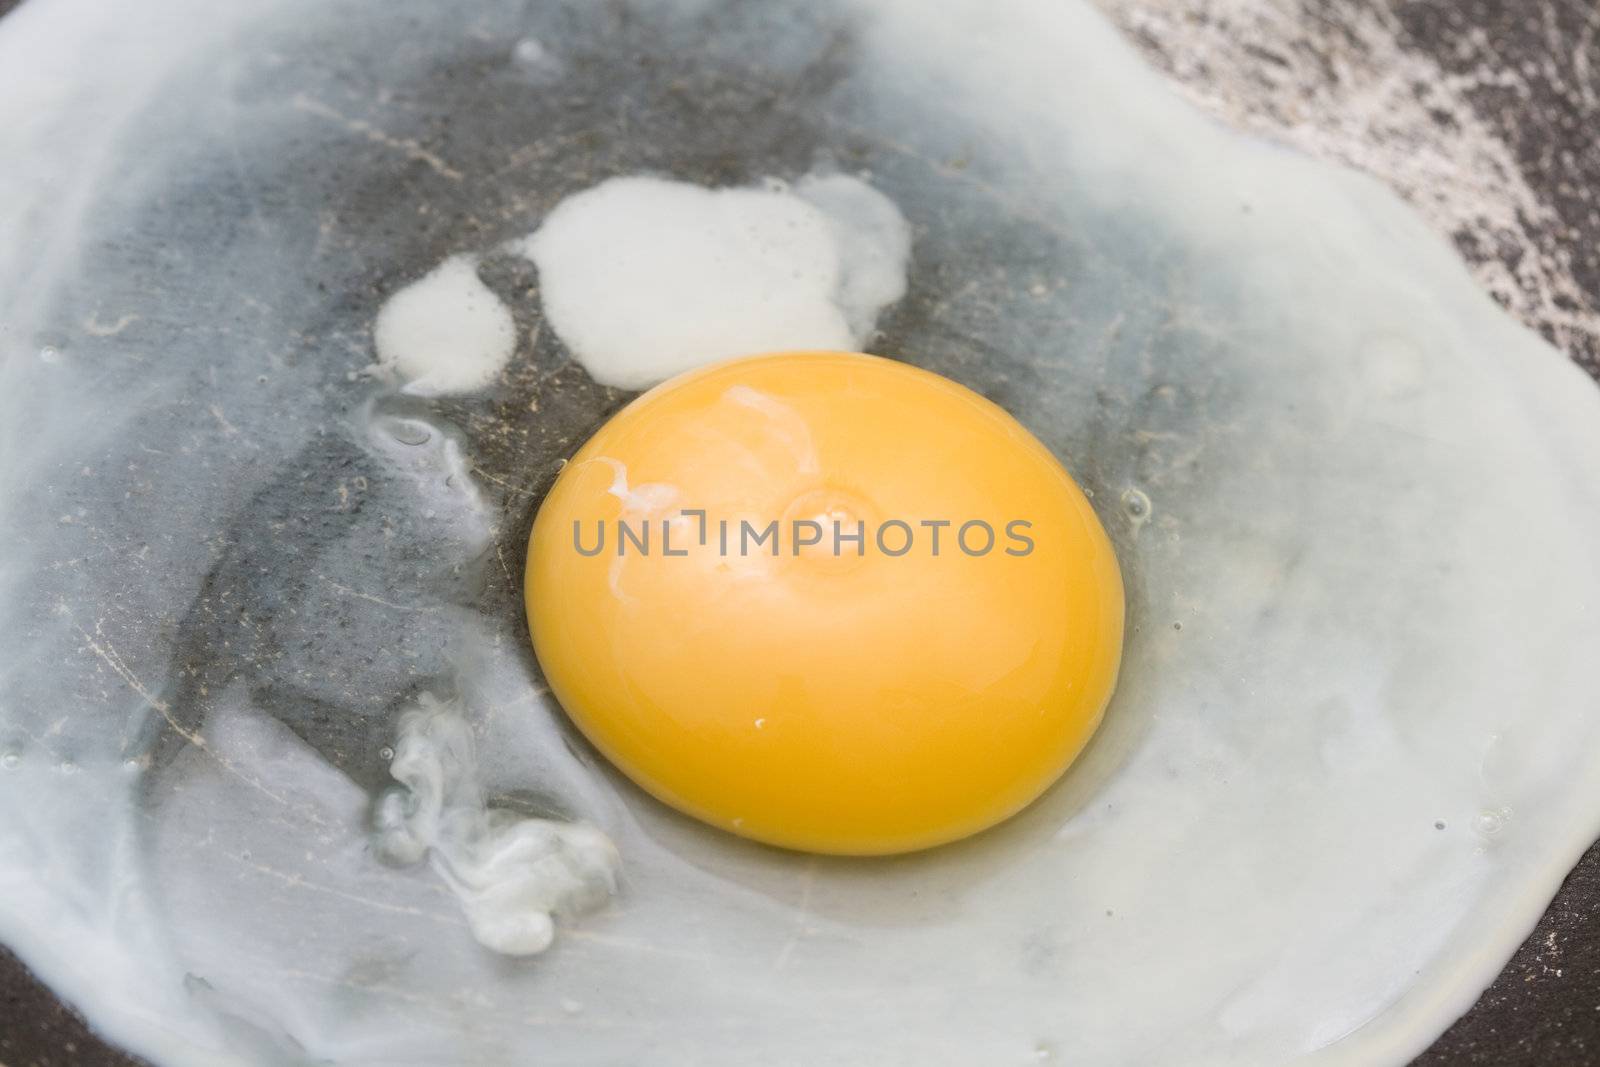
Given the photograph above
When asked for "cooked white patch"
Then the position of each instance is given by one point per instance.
(643, 278)
(446, 332)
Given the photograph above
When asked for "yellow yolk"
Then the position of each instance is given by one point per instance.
(841, 695)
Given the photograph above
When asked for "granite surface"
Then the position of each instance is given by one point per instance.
(1482, 113)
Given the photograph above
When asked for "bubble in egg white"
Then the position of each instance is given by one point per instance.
(1136, 504)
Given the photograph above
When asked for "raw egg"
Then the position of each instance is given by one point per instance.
(826, 601)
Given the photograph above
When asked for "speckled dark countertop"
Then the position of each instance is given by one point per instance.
(1485, 114)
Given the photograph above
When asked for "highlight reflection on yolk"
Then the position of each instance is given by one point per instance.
(877, 673)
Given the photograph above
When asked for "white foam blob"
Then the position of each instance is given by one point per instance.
(513, 874)
(644, 278)
(446, 332)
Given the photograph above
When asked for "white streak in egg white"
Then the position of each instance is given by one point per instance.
(446, 332)
(514, 875)
(643, 278)
(295, 943)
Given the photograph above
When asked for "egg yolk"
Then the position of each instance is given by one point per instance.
(826, 601)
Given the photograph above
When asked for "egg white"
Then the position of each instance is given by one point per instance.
(1343, 772)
